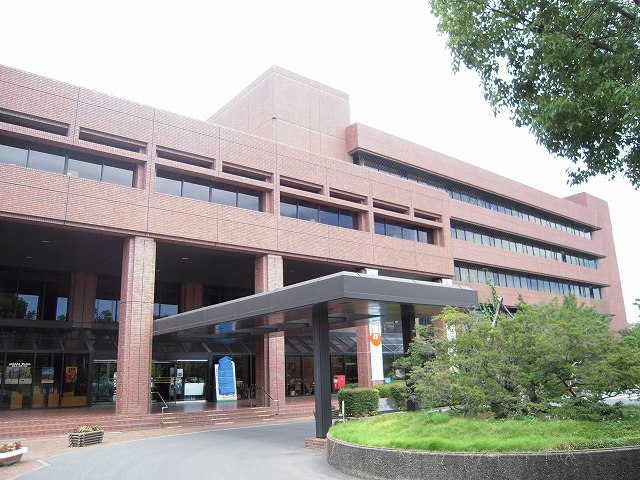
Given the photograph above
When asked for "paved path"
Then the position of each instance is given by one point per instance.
(273, 451)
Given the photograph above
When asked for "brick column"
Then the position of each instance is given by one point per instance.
(82, 299)
(363, 349)
(190, 296)
(270, 359)
(136, 326)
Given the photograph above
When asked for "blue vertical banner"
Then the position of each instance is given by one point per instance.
(225, 380)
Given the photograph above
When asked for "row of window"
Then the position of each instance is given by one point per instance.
(390, 228)
(474, 196)
(58, 160)
(465, 272)
(208, 191)
(490, 238)
(302, 210)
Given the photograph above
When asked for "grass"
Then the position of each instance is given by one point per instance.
(438, 431)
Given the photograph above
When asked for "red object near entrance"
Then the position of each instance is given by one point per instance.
(338, 382)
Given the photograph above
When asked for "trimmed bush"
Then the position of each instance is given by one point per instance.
(359, 402)
(400, 393)
(396, 390)
(350, 385)
(384, 390)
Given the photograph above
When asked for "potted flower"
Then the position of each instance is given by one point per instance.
(11, 453)
(85, 435)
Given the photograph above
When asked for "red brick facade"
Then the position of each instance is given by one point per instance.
(285, 137)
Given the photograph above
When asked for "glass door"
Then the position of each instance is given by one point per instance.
(104, 382)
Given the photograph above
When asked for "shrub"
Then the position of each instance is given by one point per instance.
(350, 385)
(384, 390)
(400, 393)
(396, 390)
(359, 402)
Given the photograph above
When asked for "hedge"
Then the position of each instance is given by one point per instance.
(359, 402)
(396, 390)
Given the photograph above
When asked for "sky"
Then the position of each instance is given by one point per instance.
(192, 57)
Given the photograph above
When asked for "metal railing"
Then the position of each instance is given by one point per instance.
(163, 408)
(255, 389)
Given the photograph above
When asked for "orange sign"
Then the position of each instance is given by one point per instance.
(376, 339)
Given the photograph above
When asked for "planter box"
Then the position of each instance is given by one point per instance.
(14, 456)
(85, 438)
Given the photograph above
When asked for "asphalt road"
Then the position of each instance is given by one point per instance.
(264, 452)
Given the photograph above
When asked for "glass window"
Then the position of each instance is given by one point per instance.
(61, 309)
(329, 216)
(197, 191)
(14, 155)
(49, 162)
(348, 220)
(84, 169)
(248, 200)
(107, 311)
(172, 186)
(423, 236)
(409, 233)
(288, 209)
(118, 175)
(394, 230)
(378, 227)
(224, 195)
(307, 212)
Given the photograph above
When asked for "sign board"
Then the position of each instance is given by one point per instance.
(375, 332)
(225, 373)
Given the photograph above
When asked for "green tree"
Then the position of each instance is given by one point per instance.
(569, 70)
(545, 353)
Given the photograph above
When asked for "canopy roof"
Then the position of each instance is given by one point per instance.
(351, 299)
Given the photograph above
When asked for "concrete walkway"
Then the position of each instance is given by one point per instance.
(268, 451)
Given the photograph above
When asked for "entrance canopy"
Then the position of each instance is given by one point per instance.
(336, 301)
(351, 298)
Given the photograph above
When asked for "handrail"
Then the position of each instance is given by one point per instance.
(277, 402)
(165, 405)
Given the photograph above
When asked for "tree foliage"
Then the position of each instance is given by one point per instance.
(569, 70)
(544, 354)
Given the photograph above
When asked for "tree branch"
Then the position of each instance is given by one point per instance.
(621, 11)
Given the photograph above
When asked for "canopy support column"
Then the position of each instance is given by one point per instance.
(322, 369)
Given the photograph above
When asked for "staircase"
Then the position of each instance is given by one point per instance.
(28, 424)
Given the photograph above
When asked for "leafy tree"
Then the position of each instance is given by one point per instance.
(545, 353)
(567, 69)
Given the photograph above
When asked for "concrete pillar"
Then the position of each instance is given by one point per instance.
(136, 326)
(191, 295)
(322, 369)
(270, 358)
(82, 299)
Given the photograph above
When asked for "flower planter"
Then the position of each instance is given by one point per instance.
(13, 456)
(85, 438)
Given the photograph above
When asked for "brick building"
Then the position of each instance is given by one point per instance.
(113, 214)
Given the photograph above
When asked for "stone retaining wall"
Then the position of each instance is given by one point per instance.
(385, 463)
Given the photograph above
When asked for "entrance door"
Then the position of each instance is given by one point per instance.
(104, 382)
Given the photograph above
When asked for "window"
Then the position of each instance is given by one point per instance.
(201, 189)
(107, 305)
(49, 161)
(33, 295)
(503, 278)
(469, 194)
(506, 241)
(302, 210)
(76, 164)
(405, 231)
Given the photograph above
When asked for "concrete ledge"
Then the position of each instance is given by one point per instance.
(386, 463)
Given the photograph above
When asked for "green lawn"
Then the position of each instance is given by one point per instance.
(436, 431)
